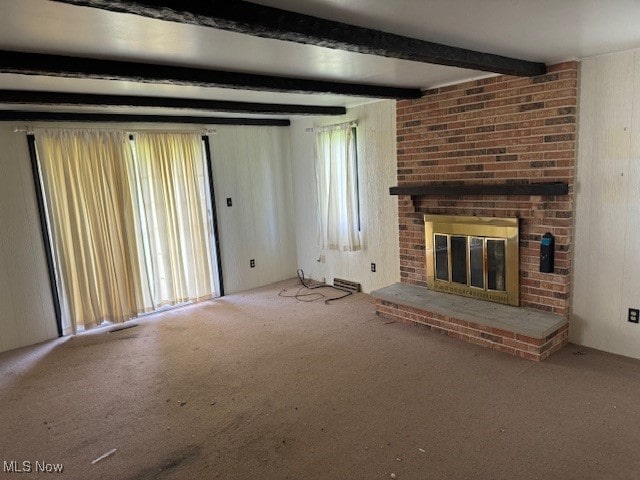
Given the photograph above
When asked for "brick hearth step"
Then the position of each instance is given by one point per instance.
(523, 332)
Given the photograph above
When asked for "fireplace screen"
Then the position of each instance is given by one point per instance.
(473, 256)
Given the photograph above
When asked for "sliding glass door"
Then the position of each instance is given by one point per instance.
(130, 221)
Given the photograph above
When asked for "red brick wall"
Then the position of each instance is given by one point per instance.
(496, 130)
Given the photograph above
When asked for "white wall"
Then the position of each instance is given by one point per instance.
(251, 165)
(607, 233)
(379, 210)
(26, 307)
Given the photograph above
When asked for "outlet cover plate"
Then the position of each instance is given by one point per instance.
(634, 315)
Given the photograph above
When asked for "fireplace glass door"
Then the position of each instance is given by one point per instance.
(473, 256)
(477, 262)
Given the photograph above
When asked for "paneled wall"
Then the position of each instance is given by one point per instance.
(26, 308)
(251, 166)
(607, 240)
(379, 215)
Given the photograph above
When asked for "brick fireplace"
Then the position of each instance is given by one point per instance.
(498, 131)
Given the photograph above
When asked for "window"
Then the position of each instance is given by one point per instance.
(337, 185)
(129, 222)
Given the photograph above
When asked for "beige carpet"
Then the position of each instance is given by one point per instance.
(256, 386)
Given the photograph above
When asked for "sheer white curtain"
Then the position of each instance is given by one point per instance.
(172, 223)
(129, 226)
(336, 180)
(90, 210)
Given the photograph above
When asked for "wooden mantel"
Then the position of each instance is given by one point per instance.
(550, 188)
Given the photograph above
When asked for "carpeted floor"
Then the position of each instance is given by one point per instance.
(257, 386)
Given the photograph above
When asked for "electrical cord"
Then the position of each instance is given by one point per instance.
(302, 297)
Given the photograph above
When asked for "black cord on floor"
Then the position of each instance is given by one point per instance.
(301, 297)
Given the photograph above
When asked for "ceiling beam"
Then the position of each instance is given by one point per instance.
(262, 21)
(9, 115)
(33, 97)
(92, 68)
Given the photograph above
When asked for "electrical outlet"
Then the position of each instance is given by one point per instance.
(229, 202)
(634, 315)
(252, 263)
(373, 267)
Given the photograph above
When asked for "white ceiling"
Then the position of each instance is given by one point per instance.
(538, 30)
(544, 30)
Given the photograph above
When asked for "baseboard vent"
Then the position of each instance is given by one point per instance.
(347, 285)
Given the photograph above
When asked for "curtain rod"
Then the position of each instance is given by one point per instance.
(28, 128)
(211, 131)
(325, 128)
(31, 130)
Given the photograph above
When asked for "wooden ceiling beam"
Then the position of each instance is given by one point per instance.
(92, 68)
(32, 97)
(19, 115)
(268, 22)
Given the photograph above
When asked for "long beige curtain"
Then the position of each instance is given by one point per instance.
(129, 224)
(172, 221)
(336, 181)
(88, 198)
